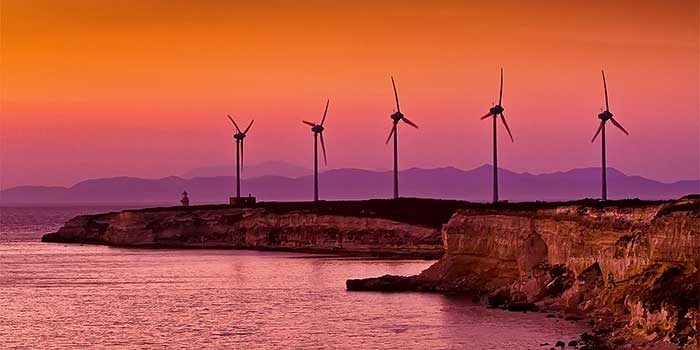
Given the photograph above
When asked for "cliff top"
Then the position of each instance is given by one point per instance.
(430, 212)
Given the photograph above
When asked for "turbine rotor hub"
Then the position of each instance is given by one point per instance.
(317, 128)
(605, 115)
(397, 116)
(497, 109)
(239, 136)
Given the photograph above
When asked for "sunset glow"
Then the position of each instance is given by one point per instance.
(142, 88)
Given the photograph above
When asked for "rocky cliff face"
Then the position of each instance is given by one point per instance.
(254, 228)
(632, 265)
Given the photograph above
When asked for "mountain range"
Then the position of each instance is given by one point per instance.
(447, 182)
(272, 167)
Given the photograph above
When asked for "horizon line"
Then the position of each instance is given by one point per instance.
(488, 165)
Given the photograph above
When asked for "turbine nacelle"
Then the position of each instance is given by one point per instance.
(496, 110)
(397, 117)
(605, 115)
(317, 128)
(239, 136)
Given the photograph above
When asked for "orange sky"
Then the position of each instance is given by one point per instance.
(142, 88)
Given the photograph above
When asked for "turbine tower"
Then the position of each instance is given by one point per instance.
(239, 136)
(396, 117)
(317, 129)
(604, 117)
(495, 112)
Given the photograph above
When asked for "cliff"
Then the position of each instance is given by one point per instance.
(631, 266)
(364, 228)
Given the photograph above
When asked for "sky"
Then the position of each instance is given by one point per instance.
(142, 88)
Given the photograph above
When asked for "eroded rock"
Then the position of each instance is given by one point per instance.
(254, 228)
(631, 265)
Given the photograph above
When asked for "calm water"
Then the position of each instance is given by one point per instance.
(73, 296)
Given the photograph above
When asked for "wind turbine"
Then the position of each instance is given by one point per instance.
(604, 117)
(239, 136)
(495, 112)
(317, 129)
(397, 117)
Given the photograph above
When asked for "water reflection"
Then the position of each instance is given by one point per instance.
(73, 296)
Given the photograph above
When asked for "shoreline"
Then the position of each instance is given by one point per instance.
(317, 253)
(375, 228)
(615, 261)
(633, 270)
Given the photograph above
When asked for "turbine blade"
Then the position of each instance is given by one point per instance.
(396, 95)
(605, 87)
(409, 122)
(234, 123)
(486, 115)
(248, 128)
(503, 119)
(308, 123)
(500, 93)
(619, 126)
(391, 133)
(325, 112)
(323, 147)
(598, 131)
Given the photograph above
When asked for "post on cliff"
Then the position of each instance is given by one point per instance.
(185, 199)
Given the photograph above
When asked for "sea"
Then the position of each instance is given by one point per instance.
(74, 296)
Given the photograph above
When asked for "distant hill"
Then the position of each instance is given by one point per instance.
(453, 183)
(274, 167)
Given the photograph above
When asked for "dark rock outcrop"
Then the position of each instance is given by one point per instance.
(388, 283)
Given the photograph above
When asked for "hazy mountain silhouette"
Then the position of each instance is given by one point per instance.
(448, 182)
(273, 167)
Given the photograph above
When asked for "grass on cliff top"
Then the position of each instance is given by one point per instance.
(416, 211)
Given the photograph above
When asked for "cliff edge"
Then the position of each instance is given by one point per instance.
(631, 266)
(383, 228)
